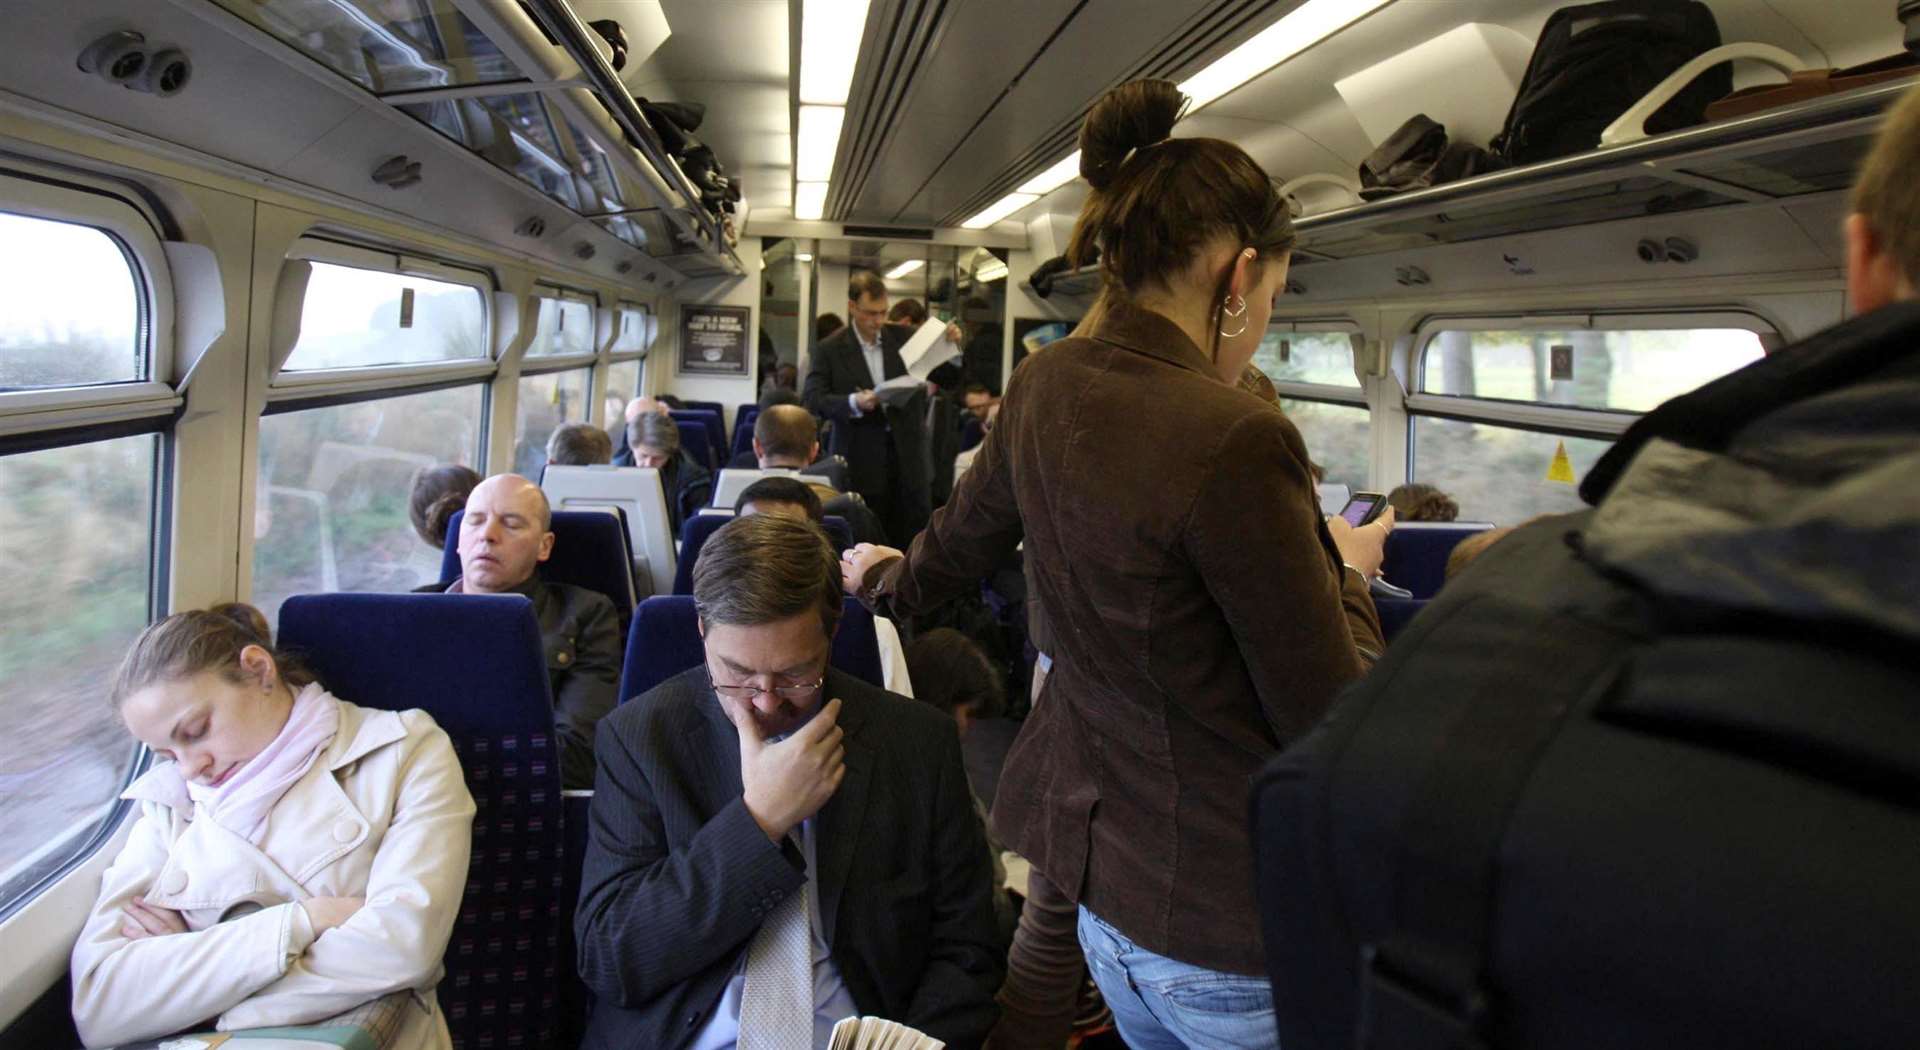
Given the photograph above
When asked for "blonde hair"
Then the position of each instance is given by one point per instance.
(1888, 189)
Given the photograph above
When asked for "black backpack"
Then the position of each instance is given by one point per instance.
(1419, 156)
(1558, 816)
(1595, 61)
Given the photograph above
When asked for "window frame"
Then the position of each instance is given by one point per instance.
(319, 382)
(1354, 396)
(647, 314)
(60, 198)
(531, 364)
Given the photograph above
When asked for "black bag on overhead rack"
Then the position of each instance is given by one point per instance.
(1418, 156)
(1595, 61)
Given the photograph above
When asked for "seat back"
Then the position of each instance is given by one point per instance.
(590, 549)
(475, 663)
(743, 420)
(696, 440)
(638, 494)
(693, 536)
(709, 416)
(714, 407)
(734, 480)
(1416, 556)
(1396, 613)
(665, 640)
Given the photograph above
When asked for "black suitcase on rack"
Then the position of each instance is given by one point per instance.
(1704, 836)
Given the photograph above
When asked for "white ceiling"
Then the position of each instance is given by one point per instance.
(731, 55)
(1294, 121)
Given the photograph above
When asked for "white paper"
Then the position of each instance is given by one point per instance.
(899, 390)
(928, 349)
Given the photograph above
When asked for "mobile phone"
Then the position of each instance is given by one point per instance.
(1363, 507)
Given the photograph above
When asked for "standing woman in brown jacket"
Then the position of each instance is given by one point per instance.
(1203, 614)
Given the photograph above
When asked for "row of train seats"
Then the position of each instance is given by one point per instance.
(510, 977)
(1416, 560)
(693, 539)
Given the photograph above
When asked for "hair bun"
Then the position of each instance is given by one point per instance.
(246, 616)
(1133, 116)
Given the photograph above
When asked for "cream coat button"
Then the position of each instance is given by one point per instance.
(175, 882)
(344, 831)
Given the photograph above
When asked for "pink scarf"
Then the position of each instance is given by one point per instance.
(241, 805)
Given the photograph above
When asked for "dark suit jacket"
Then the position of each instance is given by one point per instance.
(678, 877)
(1200, 620)
(838, 368)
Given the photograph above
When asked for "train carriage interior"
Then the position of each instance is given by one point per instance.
(265, 263)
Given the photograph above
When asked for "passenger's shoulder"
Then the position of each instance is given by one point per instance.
(671, 707)
(904, 720)
(580, 601)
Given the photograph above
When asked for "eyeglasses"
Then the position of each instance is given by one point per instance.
(748, 692)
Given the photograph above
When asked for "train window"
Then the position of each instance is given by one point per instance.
(385, 47)
(1339, 437)
(1614, 370)
(636, 329)
(546, 401)
(564, 326)
(73, 308)
(623, 382)
(76, 535)
(330, 511)
(1501, 474)
(353, 318)
(1321, 358)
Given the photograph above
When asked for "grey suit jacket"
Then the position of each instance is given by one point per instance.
(678, 877)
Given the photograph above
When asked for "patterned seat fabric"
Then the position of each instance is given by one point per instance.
(473, 662)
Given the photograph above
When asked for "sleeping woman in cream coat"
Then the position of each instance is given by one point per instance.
(299, 856)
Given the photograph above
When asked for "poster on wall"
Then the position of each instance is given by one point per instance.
(714, 339)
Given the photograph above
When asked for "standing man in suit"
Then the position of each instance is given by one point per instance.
(885, 445)
(775, 845)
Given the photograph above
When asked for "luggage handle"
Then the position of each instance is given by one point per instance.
(1632, 125)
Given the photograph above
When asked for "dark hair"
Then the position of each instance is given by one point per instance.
(669, 400)
(950, 672)
(655, 430)
(1157, 201)
(778, 395)
(579, 445)
(187, 643)
(976, 388)
(827, 324)
(786, 431)
(780, 490)
(865, 282)
(1417, 502)
(766, 567)
(437, 493)
(908, 311)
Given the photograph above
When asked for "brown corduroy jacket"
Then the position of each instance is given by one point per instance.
(1200, 617)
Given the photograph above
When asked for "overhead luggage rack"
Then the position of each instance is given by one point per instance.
(1806, 148)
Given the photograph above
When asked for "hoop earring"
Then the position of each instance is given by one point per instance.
(1227, 311)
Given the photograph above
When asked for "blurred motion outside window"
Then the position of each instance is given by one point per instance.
(1619, 371)
(1500, 474)
(76, 540)
(354, 318)
(565, 326)
(330, 512)
(636, 331)
(1339, 438)
(1307, 357)
(71, 307)
(546, 401)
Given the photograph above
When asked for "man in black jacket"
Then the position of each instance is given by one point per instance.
(764, 802)
(885, 443)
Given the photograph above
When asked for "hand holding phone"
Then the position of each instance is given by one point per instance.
(1363, 508)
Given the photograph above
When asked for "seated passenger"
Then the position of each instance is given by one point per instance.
(798, 500)
(909, 312)
(295, 857)
(505, 535)
(579, 445)
(1470, 549)
(787, 437)
(655, 440)
(765, 802)
(437, 493)
(1416, 502)
(622, 453)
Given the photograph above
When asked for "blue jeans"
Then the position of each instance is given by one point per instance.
(1163, 1004)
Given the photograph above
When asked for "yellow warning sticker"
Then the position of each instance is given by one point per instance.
(1561, 469)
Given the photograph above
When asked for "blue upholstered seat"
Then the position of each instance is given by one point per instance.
(693, 438)
(1417, 553)
(665, 641)
(714, 407)
(693, 536)
(1396, 613)
(743, 421)
(710, 420)
(473, 662)
(590, 549)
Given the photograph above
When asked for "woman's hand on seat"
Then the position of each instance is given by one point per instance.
(327, 912)
(149, 920)
(856, 562)
(1363, 548)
